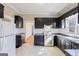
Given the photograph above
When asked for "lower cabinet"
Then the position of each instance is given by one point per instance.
(74, 46)
(18, 41)
(61, 42)
(39, 40)
(55, 41)
(66, 44)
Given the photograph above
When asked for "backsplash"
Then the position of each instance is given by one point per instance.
(20, 30)
(36, 31)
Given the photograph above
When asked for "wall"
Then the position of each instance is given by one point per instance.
(9, 13)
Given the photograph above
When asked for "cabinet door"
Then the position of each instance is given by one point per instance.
(75, 46)
(67, 44)
(55, 41)
(59, 43)
(58, 24)
(62, 44)
(39, 40)
(19, 22)
(1, 11)
(18, 41)
(39, 23)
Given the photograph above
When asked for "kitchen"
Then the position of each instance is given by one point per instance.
(47, 30)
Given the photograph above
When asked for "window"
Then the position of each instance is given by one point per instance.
(63, 23)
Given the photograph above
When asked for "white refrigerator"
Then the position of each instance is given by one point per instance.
(7, 38)
(1, 36)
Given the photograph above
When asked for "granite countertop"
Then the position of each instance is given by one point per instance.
(72, 52)
(19, 33)
(38, 34)
(73, 36)
(73, 39)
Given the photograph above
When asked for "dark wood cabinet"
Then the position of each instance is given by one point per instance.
(68, 44)
(74, 45)
(64, 43)
(58, 23)
(18, 21)
(1, 11)
(18, 41)
(39, 23)
(48, 21)
(55, 41)
(59, 43)
(39, 40)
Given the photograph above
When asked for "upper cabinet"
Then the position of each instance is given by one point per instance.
(18, 21)
(40, 22)
(58, 24)
(1, 11)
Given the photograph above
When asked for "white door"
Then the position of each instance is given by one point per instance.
(29, 29)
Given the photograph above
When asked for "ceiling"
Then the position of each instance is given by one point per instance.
(39, 8)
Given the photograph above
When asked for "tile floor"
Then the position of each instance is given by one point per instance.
(28, 49)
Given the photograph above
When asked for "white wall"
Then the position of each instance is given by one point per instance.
(9, 14)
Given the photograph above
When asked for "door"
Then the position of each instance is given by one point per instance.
(29, 32)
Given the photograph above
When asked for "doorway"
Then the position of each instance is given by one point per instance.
(29, 33)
